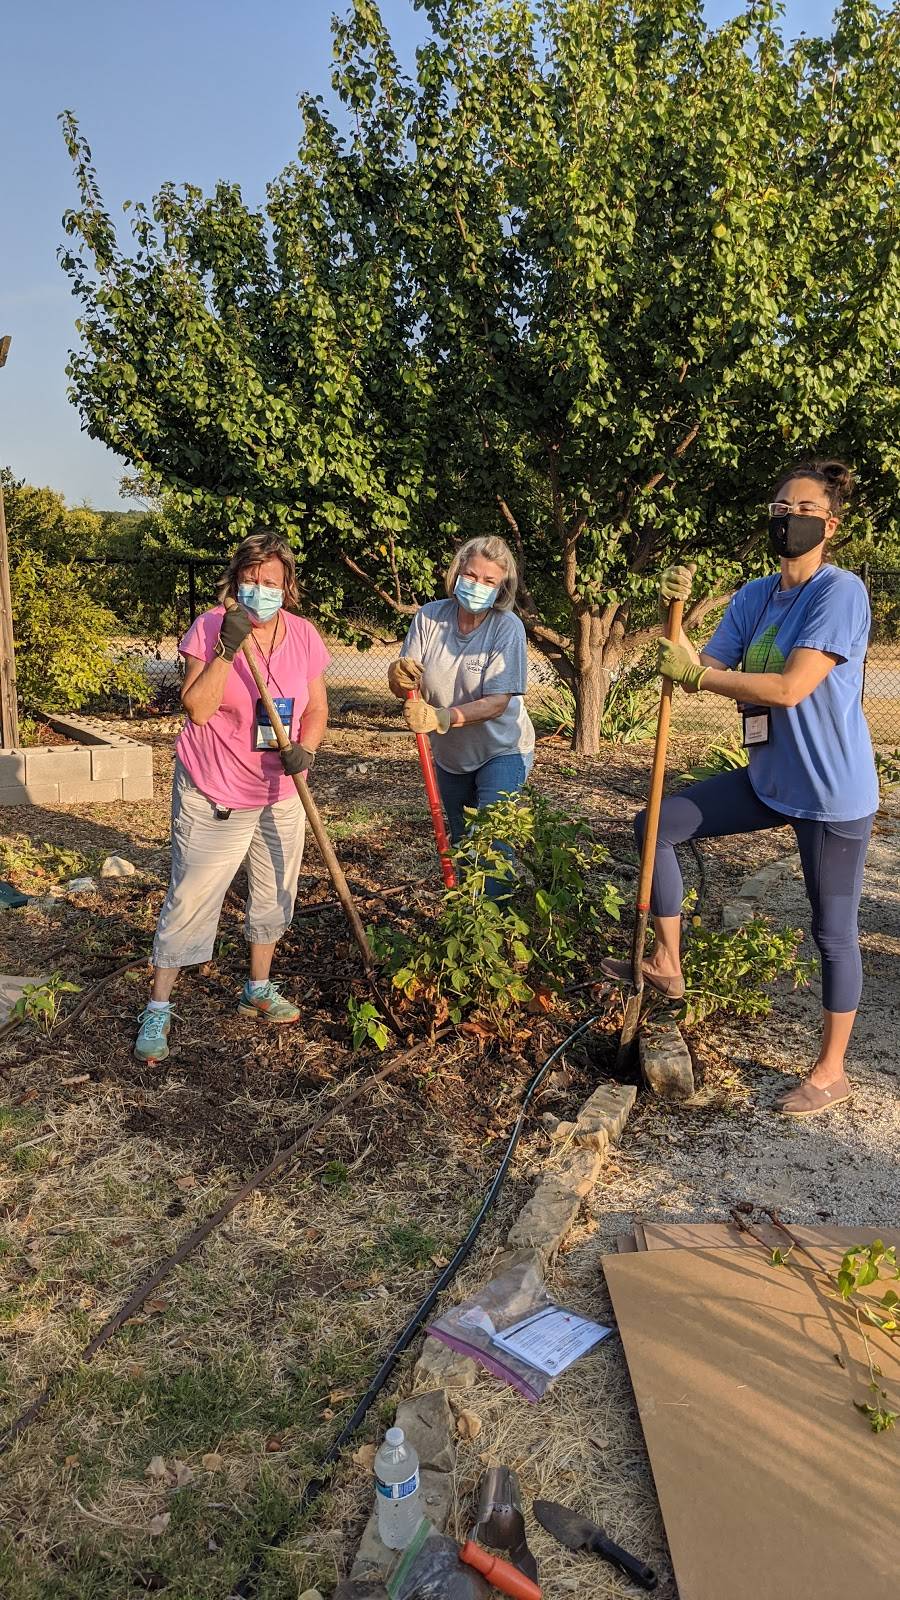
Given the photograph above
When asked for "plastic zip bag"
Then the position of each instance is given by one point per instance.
(430, 1569)
(470, 1327)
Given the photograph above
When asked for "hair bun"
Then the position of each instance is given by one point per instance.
(838, 475)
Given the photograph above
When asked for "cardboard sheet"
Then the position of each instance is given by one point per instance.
(724, 1235)
(772, 1486)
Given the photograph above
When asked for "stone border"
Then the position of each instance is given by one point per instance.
(538, 1232)
(103, 765)
(755, 891)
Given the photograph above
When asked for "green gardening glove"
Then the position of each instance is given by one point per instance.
(674, 662)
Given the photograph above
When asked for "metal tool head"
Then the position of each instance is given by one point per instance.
(568, 1527)
(501, 1524)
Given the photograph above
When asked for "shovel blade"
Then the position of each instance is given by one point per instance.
(571, 1529)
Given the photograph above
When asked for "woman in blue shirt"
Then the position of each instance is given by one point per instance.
(799, 642)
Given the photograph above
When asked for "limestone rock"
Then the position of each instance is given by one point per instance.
(428, 1425)
(439, 1367)
(578, 1170)
(666, 1061)
(602, 1118)
(81, 886)
(373, 1559)
(118, 867)
(546, 1219)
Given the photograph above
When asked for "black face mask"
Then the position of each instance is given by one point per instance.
(794, 536)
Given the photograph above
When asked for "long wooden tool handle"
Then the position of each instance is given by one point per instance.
(654, 802)
(335, 870)
(426, 762)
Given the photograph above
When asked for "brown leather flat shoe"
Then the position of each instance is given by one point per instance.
(672, 988)
(808, 1101)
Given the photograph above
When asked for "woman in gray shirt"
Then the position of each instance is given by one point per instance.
(467, 657)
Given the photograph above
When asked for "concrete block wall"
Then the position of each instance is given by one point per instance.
(103, 766)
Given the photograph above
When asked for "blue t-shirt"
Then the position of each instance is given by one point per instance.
(818, 762)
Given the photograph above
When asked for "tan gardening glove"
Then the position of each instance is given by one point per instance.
(423, 718)
(404, 675)
(674, 584)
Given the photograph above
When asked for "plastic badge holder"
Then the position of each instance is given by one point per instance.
(500, 1306)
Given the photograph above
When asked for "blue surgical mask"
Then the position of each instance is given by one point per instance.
(262, 599)
(475, 596)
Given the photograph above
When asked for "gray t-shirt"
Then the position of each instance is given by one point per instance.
(468, 666)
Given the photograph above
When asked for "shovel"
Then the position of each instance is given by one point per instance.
(501, 1524)
(335, 870)
(648, 851)
(576, 1532)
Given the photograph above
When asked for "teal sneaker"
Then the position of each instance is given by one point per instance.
(268, 1006)
(152, 1043)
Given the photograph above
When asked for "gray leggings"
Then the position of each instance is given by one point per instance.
(206, 854)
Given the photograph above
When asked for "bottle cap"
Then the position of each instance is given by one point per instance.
(394, 1437)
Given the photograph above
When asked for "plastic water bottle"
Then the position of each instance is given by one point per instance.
(397, 1490)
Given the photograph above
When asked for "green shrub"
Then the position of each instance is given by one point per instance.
(732, 970)
(64, 650)
(492, 955)
(719, 758)
(887, 765)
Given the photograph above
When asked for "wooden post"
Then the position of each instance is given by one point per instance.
(9, 711)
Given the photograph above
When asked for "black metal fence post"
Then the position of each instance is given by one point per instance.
(192, 591)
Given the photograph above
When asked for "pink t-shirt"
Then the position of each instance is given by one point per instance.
(226, 758)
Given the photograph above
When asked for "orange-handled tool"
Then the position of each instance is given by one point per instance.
(426, 762)
(500, 1574)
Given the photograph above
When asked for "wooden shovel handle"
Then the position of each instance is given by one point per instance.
(335, 870)
(658, 770)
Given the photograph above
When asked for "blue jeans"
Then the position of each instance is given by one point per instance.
(500, 776)
(832, 855)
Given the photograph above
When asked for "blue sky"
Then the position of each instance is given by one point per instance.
(188, 90)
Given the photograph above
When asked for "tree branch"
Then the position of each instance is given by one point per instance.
(401, 606)
(679, 450)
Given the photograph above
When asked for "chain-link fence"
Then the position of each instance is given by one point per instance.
(155, 607)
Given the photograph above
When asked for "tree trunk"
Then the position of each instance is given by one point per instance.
(592, 683)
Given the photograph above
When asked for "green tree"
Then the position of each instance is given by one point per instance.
(66, 639)
(590, 277)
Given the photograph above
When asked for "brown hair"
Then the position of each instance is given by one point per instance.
(249, 553)
(836, 480)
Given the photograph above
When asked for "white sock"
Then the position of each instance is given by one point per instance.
(158, 1005)
(257, 986)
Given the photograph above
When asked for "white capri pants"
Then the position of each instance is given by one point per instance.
(207, 852)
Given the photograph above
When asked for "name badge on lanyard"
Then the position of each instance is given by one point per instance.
(264, 733)
(756, 721)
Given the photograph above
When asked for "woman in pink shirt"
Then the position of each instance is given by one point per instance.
(233, 799)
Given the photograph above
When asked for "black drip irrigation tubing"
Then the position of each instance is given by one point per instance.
(246, 1586)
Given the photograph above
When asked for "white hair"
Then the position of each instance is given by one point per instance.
(493, 549)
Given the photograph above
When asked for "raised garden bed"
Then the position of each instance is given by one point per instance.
(94, 763)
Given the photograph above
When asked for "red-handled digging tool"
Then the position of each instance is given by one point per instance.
(632, 1017)
(426, 761)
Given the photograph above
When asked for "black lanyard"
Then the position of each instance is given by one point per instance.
(763, 614)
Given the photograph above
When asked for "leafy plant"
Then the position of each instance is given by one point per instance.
(887, 765)
(493, 954)
(366, 1023)
(24, 861)
(719, 758)
(629, 710)
(732, 969)
(861, 1266)
(65, 641)
(39, 1002)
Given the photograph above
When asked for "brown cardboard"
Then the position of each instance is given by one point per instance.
(625, 1244)
(771, 1485)
(721, 1235)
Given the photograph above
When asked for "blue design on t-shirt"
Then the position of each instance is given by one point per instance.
(818, 762)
